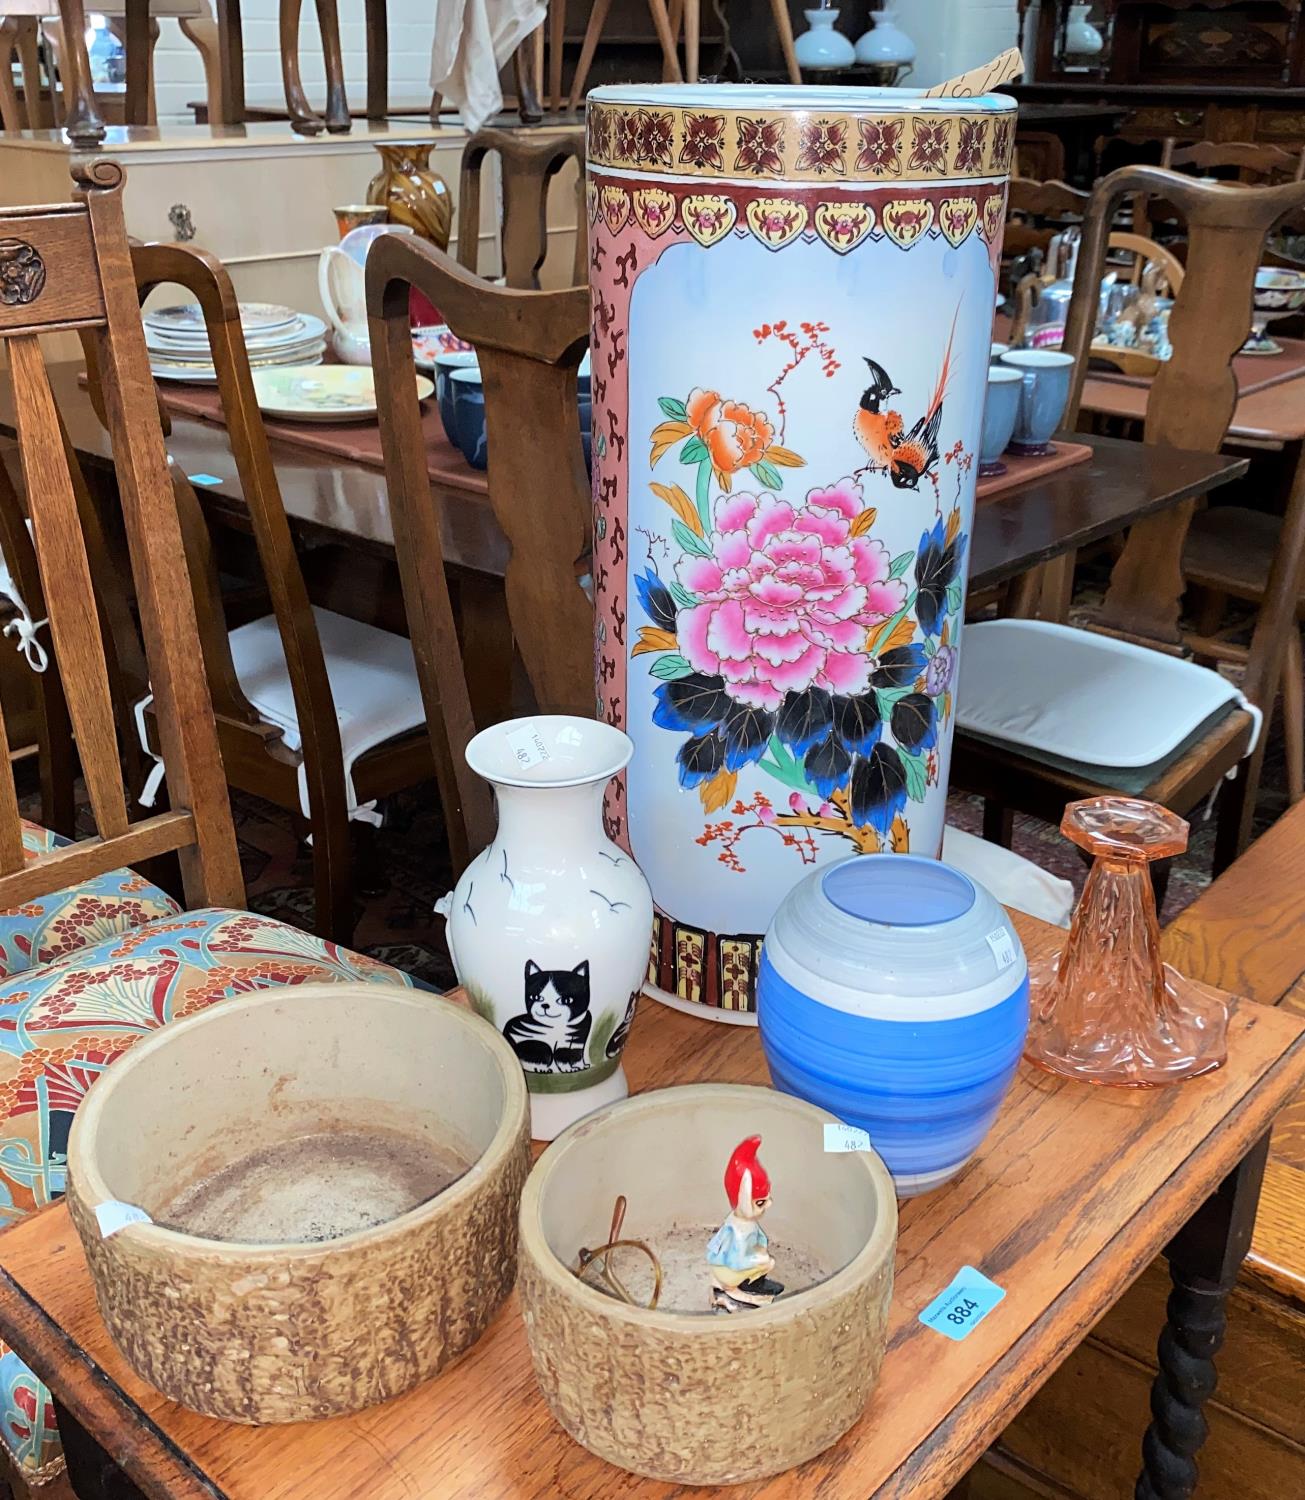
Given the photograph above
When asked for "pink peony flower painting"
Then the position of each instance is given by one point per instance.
(787, 596)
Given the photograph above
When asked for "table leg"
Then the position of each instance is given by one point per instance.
(1204, 1259)
(92, 1474)
(81, 115)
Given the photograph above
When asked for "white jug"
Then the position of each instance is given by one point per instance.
(341, 286)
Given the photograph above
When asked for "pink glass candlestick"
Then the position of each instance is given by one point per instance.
(1106, 1009)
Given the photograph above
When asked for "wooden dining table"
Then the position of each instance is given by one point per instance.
(1073, 1192)
(333, 500)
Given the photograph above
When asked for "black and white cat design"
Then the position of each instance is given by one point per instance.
(623, 1030)
(551, 1036)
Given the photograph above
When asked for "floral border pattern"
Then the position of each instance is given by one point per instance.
(761, 145)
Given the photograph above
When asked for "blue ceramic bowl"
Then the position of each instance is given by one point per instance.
(444, 365)
(468, 401)
(893, 992)
(465, 420)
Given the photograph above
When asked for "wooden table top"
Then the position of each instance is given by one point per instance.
(1073, 1192)
(1275, 415)
(331, 501)
(1244, 933)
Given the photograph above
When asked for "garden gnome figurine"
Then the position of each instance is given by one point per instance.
(738, 1254)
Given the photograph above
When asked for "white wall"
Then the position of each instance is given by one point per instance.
(180, 76)
(953, 35)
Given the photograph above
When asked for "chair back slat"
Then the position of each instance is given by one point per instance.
(527, 166)
(61, 556)
(1192, 398)
(529, 345)
(68, 267)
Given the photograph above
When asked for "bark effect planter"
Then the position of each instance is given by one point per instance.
(710, 1399)
(266, 1332)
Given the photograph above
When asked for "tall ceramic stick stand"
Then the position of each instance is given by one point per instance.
(793, 293)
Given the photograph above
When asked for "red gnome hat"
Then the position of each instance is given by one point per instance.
(745, 1160)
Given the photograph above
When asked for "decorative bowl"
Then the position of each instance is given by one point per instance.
(685, 1395)
(310, 1247)
(894, 992)
(429, 343)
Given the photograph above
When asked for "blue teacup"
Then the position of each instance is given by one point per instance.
(468, 401)
(1046, 376)
(444, 366)
(1000, 410)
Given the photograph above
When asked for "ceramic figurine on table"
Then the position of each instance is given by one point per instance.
(739, 1253)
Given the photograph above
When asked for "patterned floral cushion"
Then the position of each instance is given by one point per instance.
(62, 1024)
(61, 924)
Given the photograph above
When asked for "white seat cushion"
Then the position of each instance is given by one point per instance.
(373, 680)
(1081, 697)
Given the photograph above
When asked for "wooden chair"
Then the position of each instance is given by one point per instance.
(255, 751)
(1036, 211)
(1190, 406)
(527, 166)
(70, 269)
(1255, 163)
(530, 346)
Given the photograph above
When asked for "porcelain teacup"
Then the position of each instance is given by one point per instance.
(1000, 409)
(1045, 376)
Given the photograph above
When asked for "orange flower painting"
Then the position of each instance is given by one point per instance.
(728, 435)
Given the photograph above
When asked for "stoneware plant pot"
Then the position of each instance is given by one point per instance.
(679, 1393)
(277, 1121)
(793, 291)
(548, 927)
(894, 991)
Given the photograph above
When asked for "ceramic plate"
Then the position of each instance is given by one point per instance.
(187, 317)
(428, 342)
(302, 329)
(329, 393)
(199, 373)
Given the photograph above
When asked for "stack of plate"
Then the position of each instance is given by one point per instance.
(274, 336)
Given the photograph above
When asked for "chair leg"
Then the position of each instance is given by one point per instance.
(594, 30)
(304, 120)
(136, 46)
(784, 25)
(556, 42)
(378, 60)
(333, 917)
(1293, 714)
(81, 116)
(231, 61)
(337, 106)
(528, 107)
(662, 26)
(1232, 830)
(692, 39)
(203, 33)
(998, 823)
(11, 114)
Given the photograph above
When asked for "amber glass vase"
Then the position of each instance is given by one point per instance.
(1106, 1009)
(413, 192)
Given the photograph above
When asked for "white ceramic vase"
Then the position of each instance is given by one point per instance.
(886, 44)
(822, 47)
(1082, 39)
(549, 926)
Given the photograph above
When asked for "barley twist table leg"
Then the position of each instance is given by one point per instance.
(1204, 1259)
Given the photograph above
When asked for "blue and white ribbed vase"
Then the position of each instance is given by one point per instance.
(894, 992)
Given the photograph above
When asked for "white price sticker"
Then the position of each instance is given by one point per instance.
(1002, 944)
(840, 1137)
(528, 746)
(113, 1216)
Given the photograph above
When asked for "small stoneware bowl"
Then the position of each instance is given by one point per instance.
(894, 991)
(1046, 374)
(678, 1393)
(1000, 408)
(331, 1175)
(996, 351)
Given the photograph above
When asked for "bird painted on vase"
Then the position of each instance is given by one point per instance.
(905, 456)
